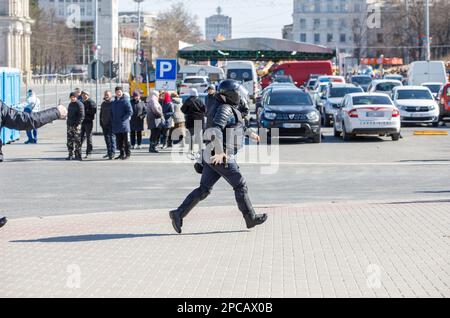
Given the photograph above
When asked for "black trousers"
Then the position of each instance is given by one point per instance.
(123, 145)
(155, 135)
(110, 140)
(86, 134)
(136, 136)
(1, 153)
(211, 174)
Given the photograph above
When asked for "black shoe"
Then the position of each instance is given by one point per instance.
(126, 157)
(106, 156)
(177, 221)
(253, 220)
(3, 222)
(119, 157)
(69, 158)
(78, 158)
(111, 158)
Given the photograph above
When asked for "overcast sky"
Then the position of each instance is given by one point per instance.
(251, 18)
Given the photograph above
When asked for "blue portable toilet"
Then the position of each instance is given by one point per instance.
(10, 80)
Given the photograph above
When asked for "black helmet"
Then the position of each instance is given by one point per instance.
(230, 89)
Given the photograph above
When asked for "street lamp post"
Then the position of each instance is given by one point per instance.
(427, 18)
(138, 62)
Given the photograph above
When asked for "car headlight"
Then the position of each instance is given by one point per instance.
(270, 116)
(313, 117)
(432, 107)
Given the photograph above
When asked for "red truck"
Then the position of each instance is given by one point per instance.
(299, 71)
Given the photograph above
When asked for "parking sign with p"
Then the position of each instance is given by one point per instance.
(166, 74)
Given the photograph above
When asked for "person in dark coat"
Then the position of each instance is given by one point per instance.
(87, 126)
(75, 119)
(195, 111)
(168, 111)
(137, 120)
(106, 124)
(211, 97)
(121, 116)
(13, 119)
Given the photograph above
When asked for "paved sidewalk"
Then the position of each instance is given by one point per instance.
(369, 249)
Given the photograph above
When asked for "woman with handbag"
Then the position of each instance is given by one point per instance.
(155, 120)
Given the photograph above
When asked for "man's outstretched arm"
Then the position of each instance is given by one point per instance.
(14, 119)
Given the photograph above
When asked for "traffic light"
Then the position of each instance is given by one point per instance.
(111, 69)
(93, 70)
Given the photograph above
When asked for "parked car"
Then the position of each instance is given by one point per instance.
(214, 74)
(263, 93)
(396, 77)
(311, 84)
(416, 105)
(333, 96)
(444, 101)
(367, 114)
(435, 88)
(427, 71)
(201, 96)
(282, 79)
(198, 82)
(245, 72)
(362, 81)
(383, 86)
(318, 97)
(330, 79)
(292, 111)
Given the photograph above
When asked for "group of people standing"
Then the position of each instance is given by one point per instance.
(122, 119)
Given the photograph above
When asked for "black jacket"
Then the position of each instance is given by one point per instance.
(90, 109)
(14, 119)
(221, 117)
(139, 114)
(194, 109)
(75, 114)
(106, 114)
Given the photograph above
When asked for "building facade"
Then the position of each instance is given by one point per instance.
(218, 26)
(331, 23)
(80, 16)
(129, 25)
(15, 26)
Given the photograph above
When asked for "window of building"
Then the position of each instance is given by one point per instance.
(303, 37)
(316, 37)
(330, 37)
(343, 38)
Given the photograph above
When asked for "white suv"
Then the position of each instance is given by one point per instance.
(198, 82)
(417, 105)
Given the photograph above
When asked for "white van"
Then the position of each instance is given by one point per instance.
(215, 74)
(427, 71)
(245, 72)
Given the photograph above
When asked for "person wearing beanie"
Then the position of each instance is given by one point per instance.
(121, 116)
(75, 118)
(137, 120)
(87, 127)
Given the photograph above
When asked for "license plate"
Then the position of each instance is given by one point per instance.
(418, 115)
(292, 125)
(375, 114)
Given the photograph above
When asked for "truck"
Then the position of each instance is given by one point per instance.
(300, 71)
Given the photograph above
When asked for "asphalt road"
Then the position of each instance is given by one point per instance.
(36, 181)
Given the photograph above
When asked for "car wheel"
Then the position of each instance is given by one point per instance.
(395, 137)
(317, 139)
(337, 134)
(326, 121)
(345, 135)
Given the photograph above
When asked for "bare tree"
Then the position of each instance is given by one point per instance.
(174, 25)
(52, 42)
